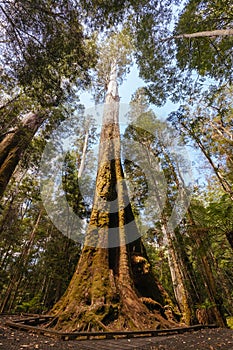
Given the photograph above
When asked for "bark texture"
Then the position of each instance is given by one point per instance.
(113, 287)
(14, 144)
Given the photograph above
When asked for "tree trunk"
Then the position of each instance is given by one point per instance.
(205, 34)
(14, 144)
(17, 275)
(183, 281)
(84, 152)
(215, 314)
(222, 180)
(209, 282)
(113, 286)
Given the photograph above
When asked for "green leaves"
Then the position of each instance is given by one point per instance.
(209, 56)
(118, 48)
(46, 46)
(176, 67)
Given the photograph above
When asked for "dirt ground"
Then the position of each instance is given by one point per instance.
(208, 339)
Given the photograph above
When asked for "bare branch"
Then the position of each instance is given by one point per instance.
(205, 34)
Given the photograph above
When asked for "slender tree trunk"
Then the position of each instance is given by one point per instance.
(17, 276)
(206, 34)
(14, 144)
(84, 152)
(113, 287)
(209, 281)
(223, 182)
(184, 286)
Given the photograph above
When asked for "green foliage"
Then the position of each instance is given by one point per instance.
(32, 306)
(177, 68)
(213, 220)
(102, 14)
(208, 125)
(46, 48)
(71, 185)
(42, 273)
(208, 56)
(117, 49)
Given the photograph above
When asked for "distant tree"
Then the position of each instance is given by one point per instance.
(209, 125)
(159, 141)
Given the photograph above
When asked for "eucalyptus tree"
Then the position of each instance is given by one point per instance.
(164, 144)
(208, 125)
(113, 273)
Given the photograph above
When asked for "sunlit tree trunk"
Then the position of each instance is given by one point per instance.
(84, 151)
(113, 287)
(14, 144)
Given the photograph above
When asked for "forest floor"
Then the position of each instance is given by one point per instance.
(208, 339)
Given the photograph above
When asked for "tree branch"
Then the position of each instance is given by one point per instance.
(205, 34)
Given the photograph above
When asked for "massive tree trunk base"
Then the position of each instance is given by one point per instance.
(97, 299)
(123, 313)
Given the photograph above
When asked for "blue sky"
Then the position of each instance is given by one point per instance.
(131, 83)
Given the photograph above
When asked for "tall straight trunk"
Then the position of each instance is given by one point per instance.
(14, 144)
(184, 285)
(227, 187)
(182, 274)
(113, 286)
(209, 280)
(84, 152)
(209, 283)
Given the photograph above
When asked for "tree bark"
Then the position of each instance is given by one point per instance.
(14, 144)
(207, 34)
(84, 152)
(113, 286)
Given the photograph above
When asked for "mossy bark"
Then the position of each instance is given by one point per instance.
(113, 274)
(184, 285)
(14, 144)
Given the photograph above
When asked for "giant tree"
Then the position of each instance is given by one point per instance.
(113, 286)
